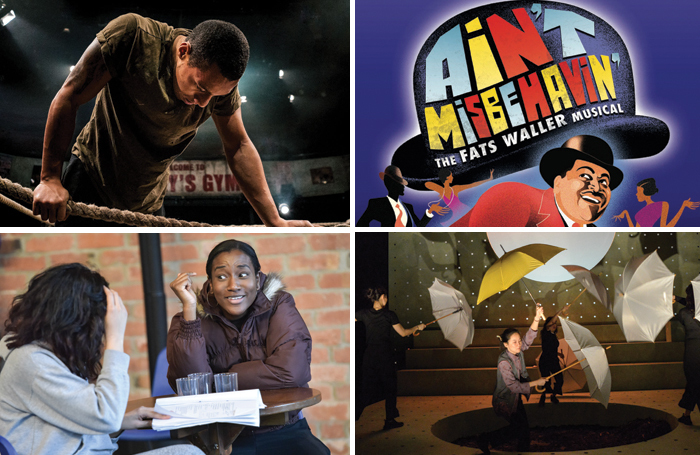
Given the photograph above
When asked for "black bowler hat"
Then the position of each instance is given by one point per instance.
(631, 135)
(587, 148)
(394, 173)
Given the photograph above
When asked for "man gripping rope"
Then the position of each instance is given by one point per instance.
(155, 85)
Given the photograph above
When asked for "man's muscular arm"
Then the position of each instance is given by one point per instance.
(86, 80)
(245, 163)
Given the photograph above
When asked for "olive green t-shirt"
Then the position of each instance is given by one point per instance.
(138, 126)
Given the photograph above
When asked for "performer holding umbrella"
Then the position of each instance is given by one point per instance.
(378, 369)
(549, 360)
(688, 316)
(512, 381)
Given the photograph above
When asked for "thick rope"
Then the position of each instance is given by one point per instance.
(26, 195)
(20, 208)
(17, 191)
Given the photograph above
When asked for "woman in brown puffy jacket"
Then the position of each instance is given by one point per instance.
(244, 322)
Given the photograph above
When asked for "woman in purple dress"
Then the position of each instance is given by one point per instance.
(653, 211)
(449, 196)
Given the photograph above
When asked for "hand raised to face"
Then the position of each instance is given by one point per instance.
(182, 287)
(115, 321)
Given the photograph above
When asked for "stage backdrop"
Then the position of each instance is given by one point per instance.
(461, 259)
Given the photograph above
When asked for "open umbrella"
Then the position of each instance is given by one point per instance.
(696, 293)
(593, 359)
(453, 314)
(644, 298)
(574, 377)
(591, 282)
(514, 265)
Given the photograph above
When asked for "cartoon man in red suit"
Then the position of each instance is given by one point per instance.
(581, 177)
(390, 211)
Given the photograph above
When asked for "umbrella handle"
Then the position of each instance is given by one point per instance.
(436, 320)
(577, 297)
(538, 305)
(541, 389)
(415, 332)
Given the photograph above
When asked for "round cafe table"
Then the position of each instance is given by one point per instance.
(218, 438)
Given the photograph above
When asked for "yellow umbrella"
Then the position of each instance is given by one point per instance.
(514, 265)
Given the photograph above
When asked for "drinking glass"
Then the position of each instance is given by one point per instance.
(203, 382)
(186, 386)
(226, 382)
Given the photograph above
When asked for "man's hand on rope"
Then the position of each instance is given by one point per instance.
(50, 199)
(292, 223)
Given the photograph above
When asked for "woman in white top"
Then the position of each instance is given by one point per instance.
(64, 384)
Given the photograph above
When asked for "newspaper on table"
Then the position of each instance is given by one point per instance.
(242, 407)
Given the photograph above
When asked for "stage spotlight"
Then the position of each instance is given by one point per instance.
(284, 209)
(281, 74)
(72, 67)
(291, 98)
(244, 99)
(6, 14)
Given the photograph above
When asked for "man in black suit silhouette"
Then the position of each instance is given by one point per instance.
(390, 211)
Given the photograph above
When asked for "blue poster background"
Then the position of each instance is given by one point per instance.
(662, 39)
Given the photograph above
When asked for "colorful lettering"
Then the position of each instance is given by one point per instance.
(514, 45)
(442, 126)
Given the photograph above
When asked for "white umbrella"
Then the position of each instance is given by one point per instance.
(593, 359)
(591, 282)
(696, 294)
(452, 313)
(644, 298)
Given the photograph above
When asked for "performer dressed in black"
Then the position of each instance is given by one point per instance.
(378, 366)
(691, 356)
(549, 360)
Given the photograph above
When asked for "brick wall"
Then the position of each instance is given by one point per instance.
(315, 267)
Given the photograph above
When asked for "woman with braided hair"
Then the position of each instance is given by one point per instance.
(243, 321)
(378, 368)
